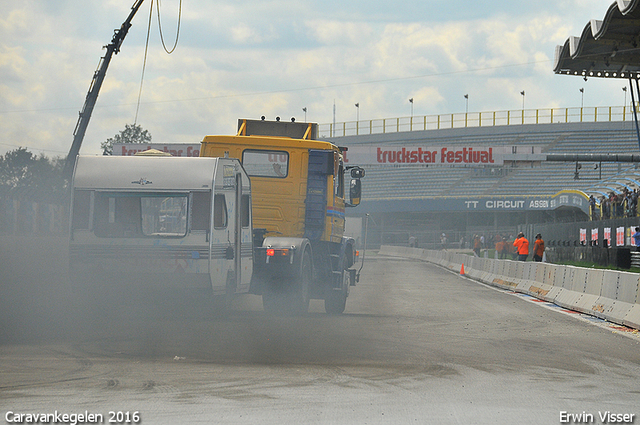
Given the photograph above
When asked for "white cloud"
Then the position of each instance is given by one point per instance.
(245, 34)
(245, 59)
(337, 33)
(14, 22)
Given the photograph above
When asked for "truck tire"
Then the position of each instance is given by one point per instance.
(336, 301)
(300, 294)
(296, 299)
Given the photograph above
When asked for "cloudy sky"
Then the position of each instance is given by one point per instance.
(247, 58)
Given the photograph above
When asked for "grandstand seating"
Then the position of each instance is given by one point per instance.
(413, 182)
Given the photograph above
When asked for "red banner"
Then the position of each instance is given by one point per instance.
(175, 149)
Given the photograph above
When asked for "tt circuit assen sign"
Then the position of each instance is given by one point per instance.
(175, 149)
(563, 199)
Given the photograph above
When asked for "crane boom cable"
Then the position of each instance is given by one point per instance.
(144, 63)
(177, 30)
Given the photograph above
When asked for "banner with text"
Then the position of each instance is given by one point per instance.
(175, 149)
(440, 155)
(620, 236)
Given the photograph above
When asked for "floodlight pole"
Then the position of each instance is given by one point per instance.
(635, 109)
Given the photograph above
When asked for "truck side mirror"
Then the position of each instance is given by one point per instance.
(355, 191)
(357, 173)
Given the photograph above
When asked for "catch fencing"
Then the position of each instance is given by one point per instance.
(477, 119)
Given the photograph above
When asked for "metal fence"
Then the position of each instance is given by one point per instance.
(21, 217)
(568, 234)
(477, 119)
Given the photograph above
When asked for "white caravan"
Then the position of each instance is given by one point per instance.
(162, 222)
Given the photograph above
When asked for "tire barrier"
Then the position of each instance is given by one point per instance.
(607, 294)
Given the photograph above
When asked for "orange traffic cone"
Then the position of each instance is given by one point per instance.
(462, 269)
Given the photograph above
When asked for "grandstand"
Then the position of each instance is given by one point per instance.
(398, 182)
(405, 197)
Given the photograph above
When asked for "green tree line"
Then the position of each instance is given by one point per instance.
(24, 175)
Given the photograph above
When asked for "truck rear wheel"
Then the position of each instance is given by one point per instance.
(300, 293)
(336, 301)
(295, 298)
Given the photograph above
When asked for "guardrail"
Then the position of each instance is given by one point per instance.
(607, 294)
(477, 119)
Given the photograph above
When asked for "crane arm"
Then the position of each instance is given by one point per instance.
(94, 89)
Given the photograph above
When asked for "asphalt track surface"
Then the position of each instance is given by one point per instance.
(416, 345)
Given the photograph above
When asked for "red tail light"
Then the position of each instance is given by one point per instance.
(277, 252)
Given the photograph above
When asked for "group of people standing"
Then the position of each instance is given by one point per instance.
(519, 249)
(618, 205)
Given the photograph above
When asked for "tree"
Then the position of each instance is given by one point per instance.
(25, 175)
(132, 133)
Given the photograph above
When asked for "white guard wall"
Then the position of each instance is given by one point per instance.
(607, 294)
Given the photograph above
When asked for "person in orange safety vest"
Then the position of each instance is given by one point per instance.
(538, 248)
(522, 246)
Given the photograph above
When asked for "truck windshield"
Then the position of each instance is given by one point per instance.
(139, 215)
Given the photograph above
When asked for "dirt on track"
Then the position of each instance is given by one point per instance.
(416, 344)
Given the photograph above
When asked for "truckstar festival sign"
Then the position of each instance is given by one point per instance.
(175, 149)
(441, 155)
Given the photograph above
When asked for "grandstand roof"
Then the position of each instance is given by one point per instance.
(627, 179)
(606, 48)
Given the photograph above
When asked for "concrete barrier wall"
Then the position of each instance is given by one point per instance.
(608, 294)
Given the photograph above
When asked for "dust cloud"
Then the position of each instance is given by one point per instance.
(34, 290)
(40, 305)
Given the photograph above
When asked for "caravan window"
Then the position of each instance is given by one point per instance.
(201, 211)
(164, 216)
(130, 215)
(219, 212)
(245, 210)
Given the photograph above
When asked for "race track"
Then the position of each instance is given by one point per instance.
(416, 345)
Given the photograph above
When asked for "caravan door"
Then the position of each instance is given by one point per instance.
(224, 231)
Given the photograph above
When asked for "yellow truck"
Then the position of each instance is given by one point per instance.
(298, 210)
